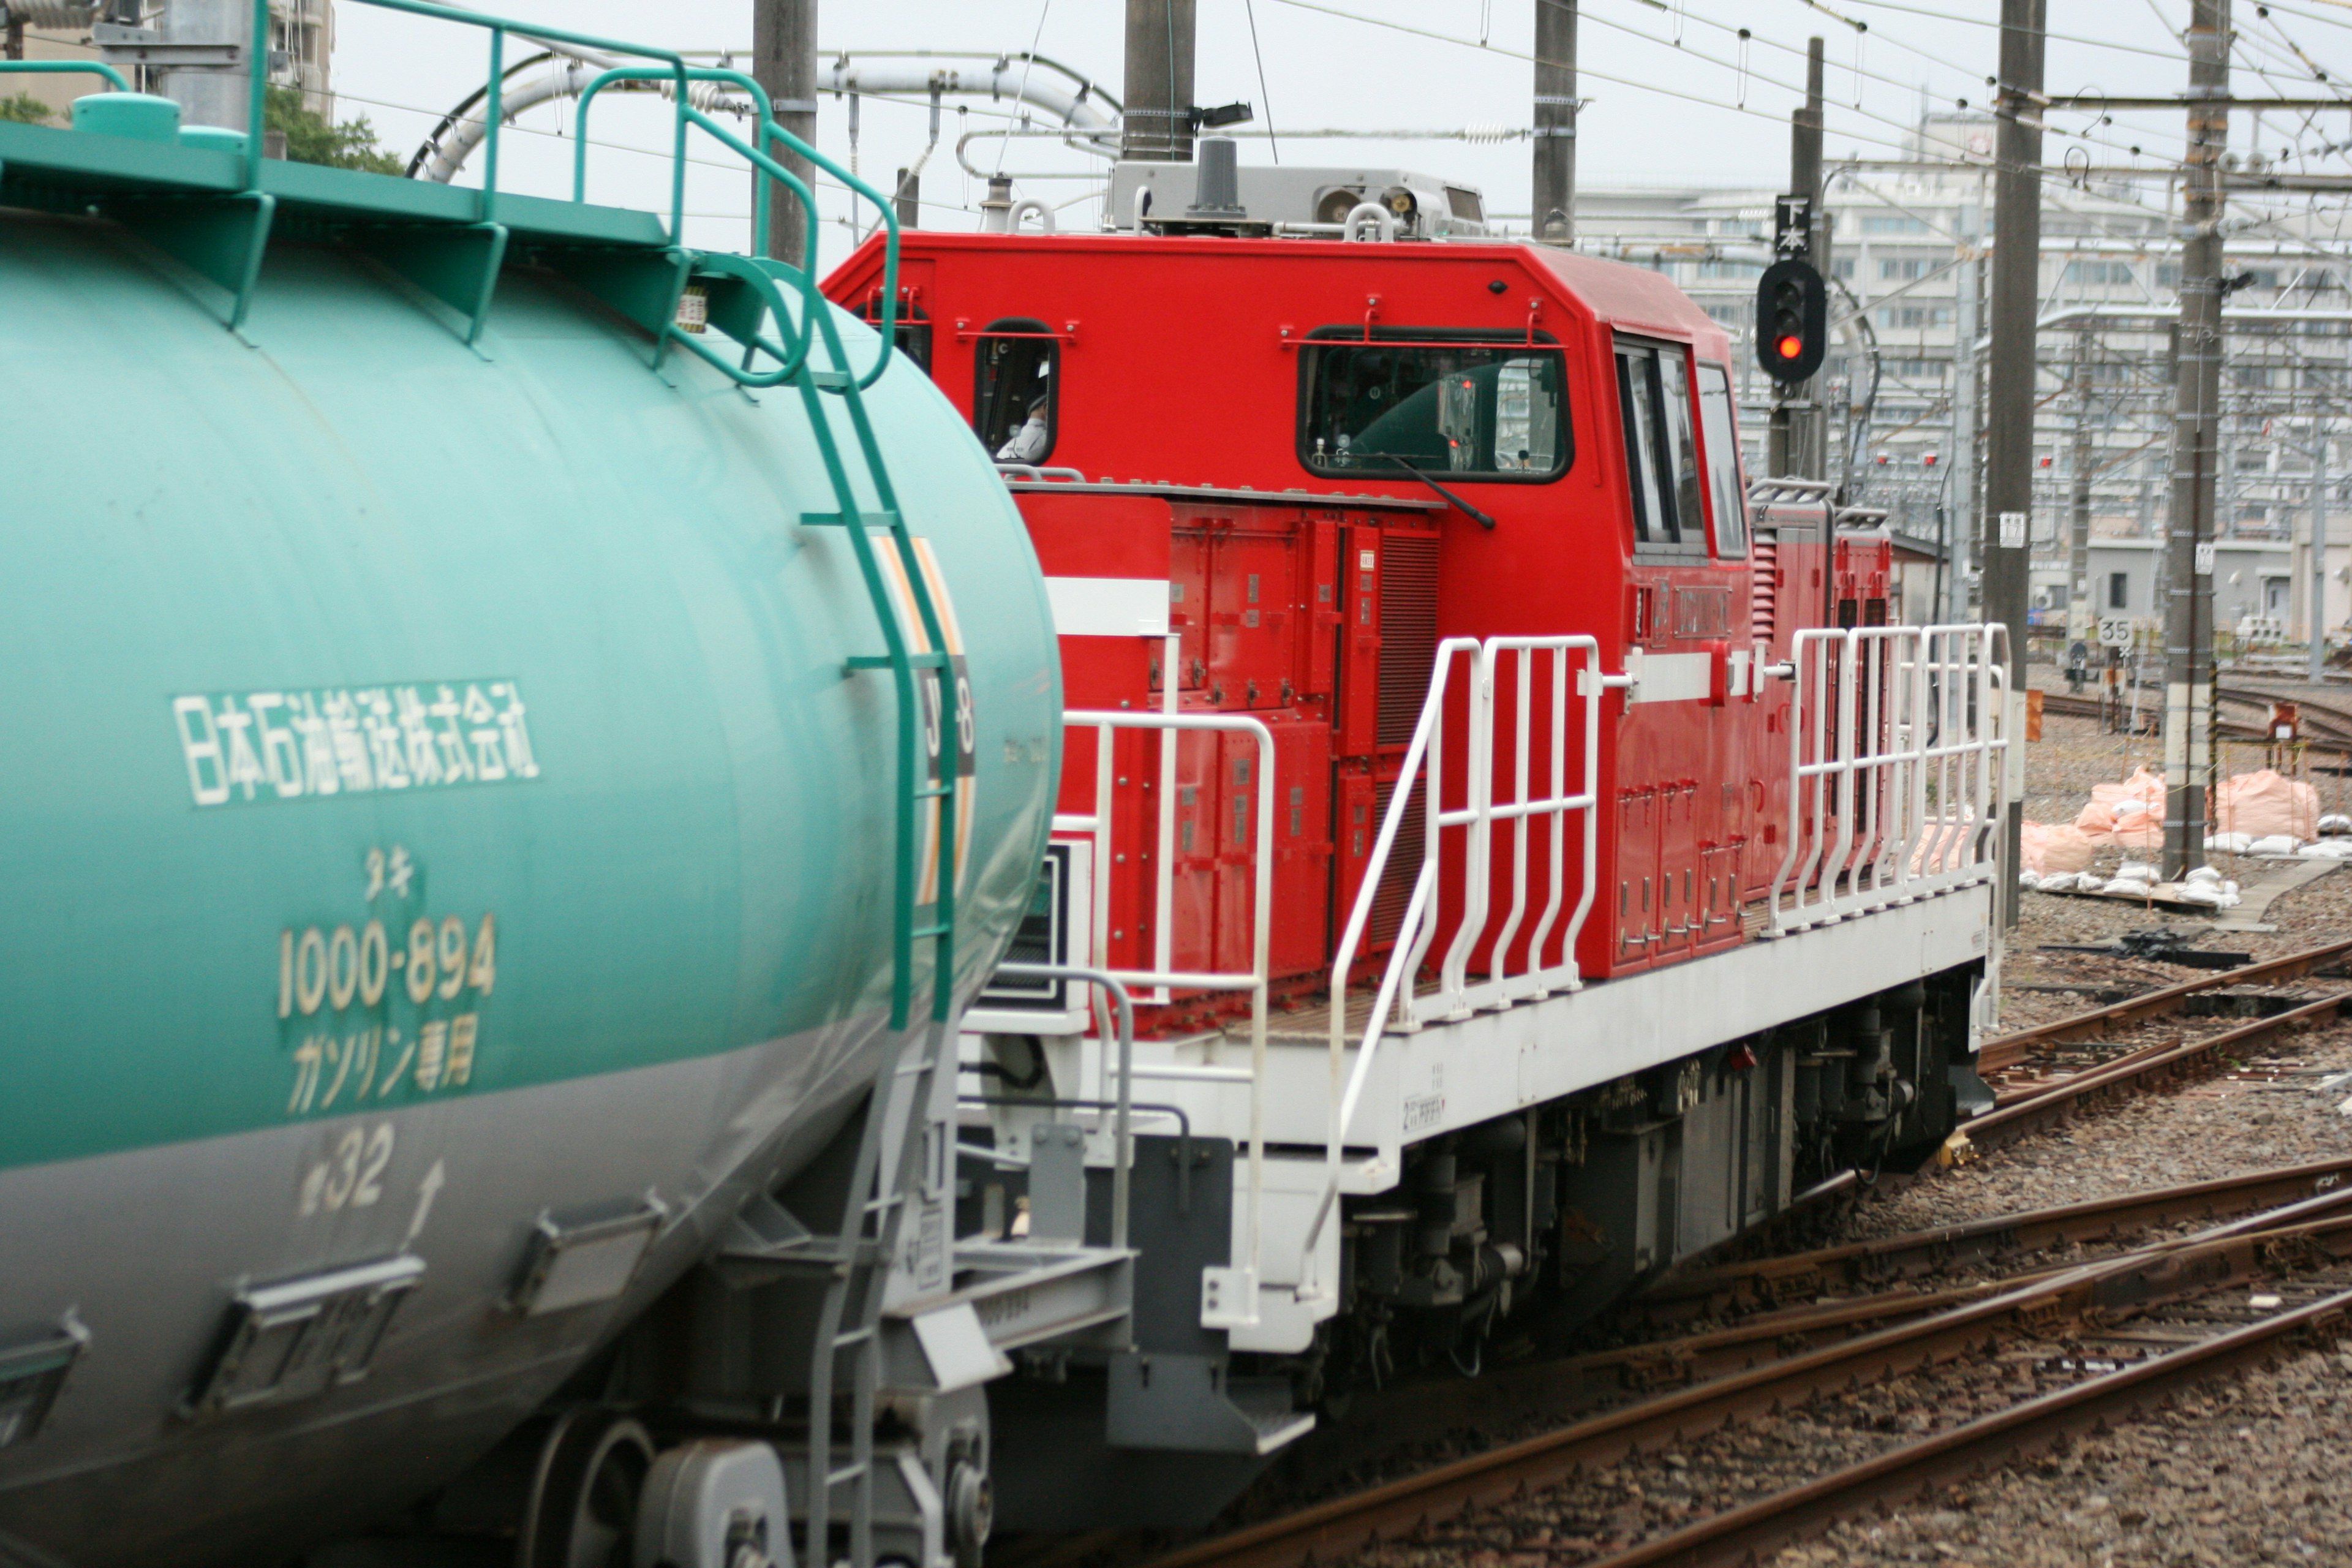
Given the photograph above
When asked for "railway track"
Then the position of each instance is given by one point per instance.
(2125, 1388)
(2324, 725)
(1886, 1317)
(2057, 1090)
(1768, 1284)
(2101, 1022)
(2092, 1302)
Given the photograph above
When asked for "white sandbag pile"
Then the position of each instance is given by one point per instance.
(2129, 815)
(2207, 886)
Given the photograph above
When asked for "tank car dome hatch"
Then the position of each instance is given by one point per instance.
(1303, 203)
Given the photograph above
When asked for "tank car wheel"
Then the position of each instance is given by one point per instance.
(972, 1512)
(584, 1500)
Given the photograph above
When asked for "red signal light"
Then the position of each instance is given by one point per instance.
(1790, 345)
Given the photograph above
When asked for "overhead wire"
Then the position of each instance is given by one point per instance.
(1044, 11)
(1933, 15)
(1582, 70)
(2090, 136)
(1249, 8)
(1745, 34)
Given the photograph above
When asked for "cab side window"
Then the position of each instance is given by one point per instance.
(1719, 425)
(1466, 403)
(1016, 372)
(1653, 402)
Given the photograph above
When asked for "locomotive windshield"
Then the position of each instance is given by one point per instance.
(1440, 401)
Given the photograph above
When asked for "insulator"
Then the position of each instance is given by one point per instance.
(1487, 133)
(51, 13)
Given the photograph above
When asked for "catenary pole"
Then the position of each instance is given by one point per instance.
(1159, 88)
(2078, 531)
(1960, 551)
(2009, 415)
(783, 62)
(2196, 448)
(2315, 612)
(1554, 121)
(210, 95)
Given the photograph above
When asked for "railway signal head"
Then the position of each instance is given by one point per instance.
(1792, 320)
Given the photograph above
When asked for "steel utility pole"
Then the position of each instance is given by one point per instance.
(2196, 448)
(1158, 128)
(1960, 551)
(1796, 444)
(2078, 532)
(783, 62)
(1554, 121)
(2008, 421)
(2315, 612)
(213, 94)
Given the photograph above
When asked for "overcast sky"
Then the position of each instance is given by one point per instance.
(1658, 111)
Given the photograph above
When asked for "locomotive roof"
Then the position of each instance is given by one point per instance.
(1617, 293)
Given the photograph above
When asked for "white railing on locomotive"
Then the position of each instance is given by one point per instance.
(1455, 996)
(1895, 749)
(1478, 815)
(1871, 743)
(1236, 1288)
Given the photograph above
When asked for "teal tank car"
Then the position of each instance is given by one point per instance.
(498, 767)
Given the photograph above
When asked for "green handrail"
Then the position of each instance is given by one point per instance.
(87, 68)
(888, 324)
(769, 131)
(813, 305)
(498, 27)
(699, 73)
(759, 280)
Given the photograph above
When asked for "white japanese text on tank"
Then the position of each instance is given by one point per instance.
(247, 746)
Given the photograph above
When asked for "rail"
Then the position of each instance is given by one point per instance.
(1895, 754)
(1456, 996)
(1095, 824)
(1779, 1377)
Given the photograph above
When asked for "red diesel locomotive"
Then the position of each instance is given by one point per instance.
(1337, 456)
(1549, 859)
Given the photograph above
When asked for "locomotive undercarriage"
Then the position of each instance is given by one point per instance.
(1520, 1230)
(1497, 1240)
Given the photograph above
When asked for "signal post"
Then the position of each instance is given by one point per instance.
(1798, 443)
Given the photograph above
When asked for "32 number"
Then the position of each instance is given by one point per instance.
(351, 1175)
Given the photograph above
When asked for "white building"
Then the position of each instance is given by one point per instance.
(1910, 234)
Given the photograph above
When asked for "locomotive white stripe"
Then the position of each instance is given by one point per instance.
(1109, 607)
(1675, 677)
